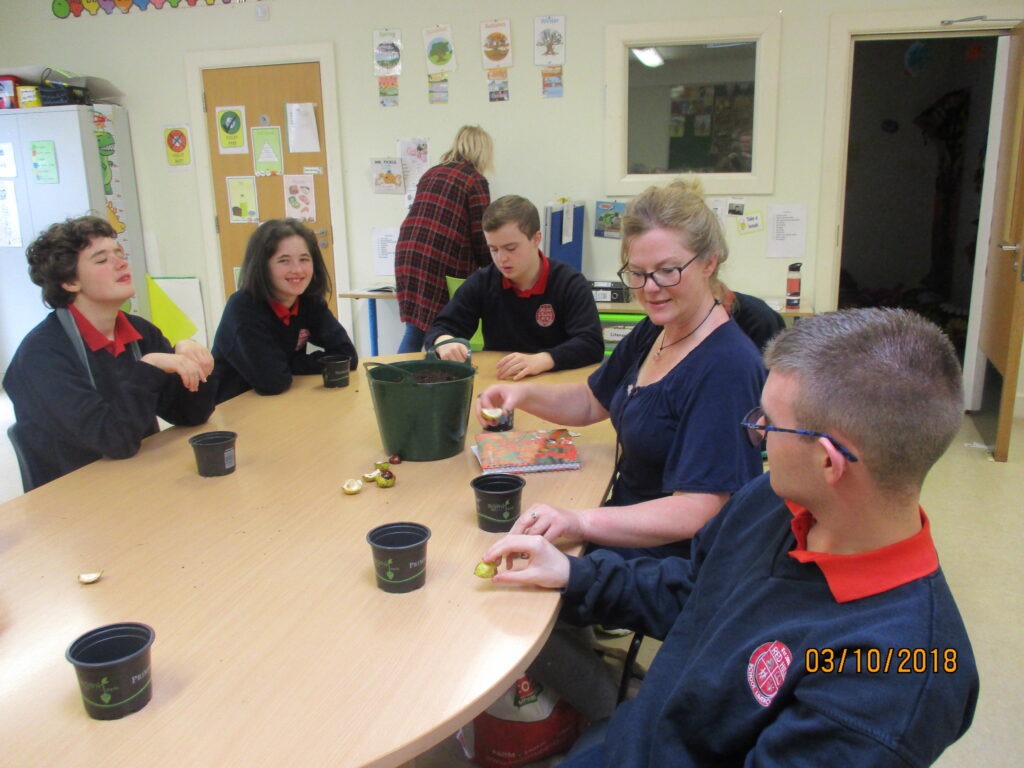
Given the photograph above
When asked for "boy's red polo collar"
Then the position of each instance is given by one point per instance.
(284, 314)
(124, 333)
(539, 286)
(852, 577)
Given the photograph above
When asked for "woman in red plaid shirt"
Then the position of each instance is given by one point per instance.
(442, 235)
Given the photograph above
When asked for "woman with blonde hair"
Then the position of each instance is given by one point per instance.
(675, 389)
(442, 234)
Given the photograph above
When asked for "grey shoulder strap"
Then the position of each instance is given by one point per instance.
(68, 324)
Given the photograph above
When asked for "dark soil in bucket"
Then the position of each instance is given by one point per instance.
(434, 376)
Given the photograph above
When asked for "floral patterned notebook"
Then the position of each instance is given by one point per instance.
(536, 451)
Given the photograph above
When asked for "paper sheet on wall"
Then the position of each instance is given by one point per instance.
(439, 49)
(384, 241)
(10, 227)
(387, 176)
(232, 136)
(44, 162)
(8, 165)
(787, 231)
(242, 201)
(414, 152)
(176, 146)
(496, 43)
(300, 196)
(387, 52)
(549, 41)
(267, 157)
(568, 217)
(302, 132)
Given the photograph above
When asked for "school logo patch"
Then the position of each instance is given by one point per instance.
(767, 670)
(545, 315)
(303, 338)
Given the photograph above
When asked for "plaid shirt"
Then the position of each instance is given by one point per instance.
(441, 236)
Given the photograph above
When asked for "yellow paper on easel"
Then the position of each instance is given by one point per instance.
(167, 316)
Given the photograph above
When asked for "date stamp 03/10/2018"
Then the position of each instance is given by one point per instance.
(902, 661)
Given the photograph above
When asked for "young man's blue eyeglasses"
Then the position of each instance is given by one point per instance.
(754, 422)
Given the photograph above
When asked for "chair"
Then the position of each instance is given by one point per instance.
(476, 341)
(27, 481)
(627, 666)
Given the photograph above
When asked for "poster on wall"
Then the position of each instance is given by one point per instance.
(387, 52)
(414, 152)
(387, 90)
(549, 41)
(440, 49)
(10, 226)
(44, 162)
(8, 163)
(496, 43)
(787, 231)
(299, 196)
(243, 207)
(387, 176)
(608, 218)
(232, 138)
(385, 240)
(267, 154)
(303, 135)
(497, 85)
(551, 82)
(177, 148)
(437, 88)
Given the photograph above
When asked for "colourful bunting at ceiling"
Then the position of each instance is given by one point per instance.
(64, 9)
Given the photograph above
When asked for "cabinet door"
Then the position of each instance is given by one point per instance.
(55, 174)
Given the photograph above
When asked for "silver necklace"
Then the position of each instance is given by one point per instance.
(663, 346)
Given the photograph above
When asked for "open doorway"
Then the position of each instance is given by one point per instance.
(919, 119)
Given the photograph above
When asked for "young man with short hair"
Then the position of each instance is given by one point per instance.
(89, 381)
(540, 311)
(812, 624)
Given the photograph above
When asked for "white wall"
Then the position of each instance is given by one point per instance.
(544, 147)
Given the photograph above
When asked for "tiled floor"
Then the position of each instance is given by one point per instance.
(977, 512)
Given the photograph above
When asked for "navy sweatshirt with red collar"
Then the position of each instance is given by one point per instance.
(557, 315)
(64, 422)
(774, 656)
(258, 348)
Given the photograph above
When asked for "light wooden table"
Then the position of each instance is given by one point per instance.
(273, 644)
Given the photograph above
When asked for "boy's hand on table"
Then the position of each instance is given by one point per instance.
(517, 365)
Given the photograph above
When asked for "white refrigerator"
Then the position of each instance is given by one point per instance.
(57, 163)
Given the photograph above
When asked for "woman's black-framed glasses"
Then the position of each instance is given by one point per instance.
(664, 277)
(755, 426)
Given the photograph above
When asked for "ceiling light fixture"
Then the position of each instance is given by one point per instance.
(649, 57)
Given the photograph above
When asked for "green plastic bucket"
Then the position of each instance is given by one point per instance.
(421, 421)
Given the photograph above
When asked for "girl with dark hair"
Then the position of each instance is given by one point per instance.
(278, 308)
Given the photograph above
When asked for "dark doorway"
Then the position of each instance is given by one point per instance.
(919, 116)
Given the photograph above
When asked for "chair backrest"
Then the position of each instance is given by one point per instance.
(476, 341)
(27, 482)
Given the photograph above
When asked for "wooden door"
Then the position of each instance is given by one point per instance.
(265, 91)
(1002, 325)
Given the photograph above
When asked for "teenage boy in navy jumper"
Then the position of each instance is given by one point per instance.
(540, 311)
(813, 625)
(89, 380)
